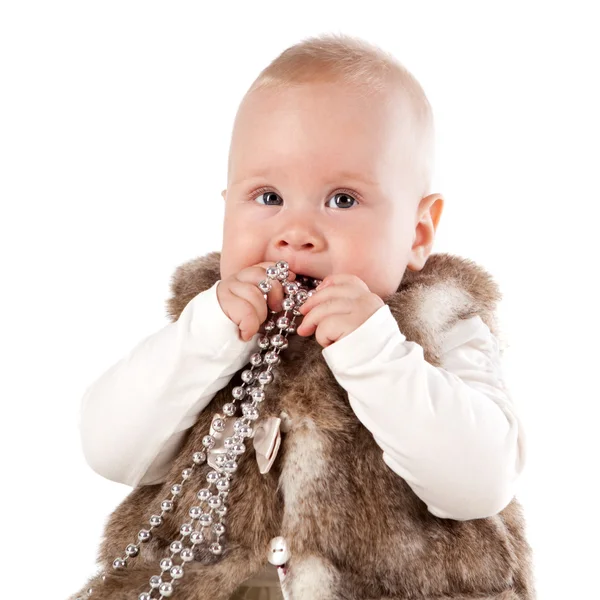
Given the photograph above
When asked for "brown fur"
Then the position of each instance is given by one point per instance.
(356, 530)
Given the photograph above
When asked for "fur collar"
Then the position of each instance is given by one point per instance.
(426, 304)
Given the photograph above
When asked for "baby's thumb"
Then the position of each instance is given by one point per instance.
(248, 327)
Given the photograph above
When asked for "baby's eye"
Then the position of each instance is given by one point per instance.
(341, 199)
(268, 197)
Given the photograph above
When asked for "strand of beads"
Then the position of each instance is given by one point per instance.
(253, 382)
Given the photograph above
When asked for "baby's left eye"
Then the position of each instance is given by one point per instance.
(342, 200)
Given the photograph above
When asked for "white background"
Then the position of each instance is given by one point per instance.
(114, 128)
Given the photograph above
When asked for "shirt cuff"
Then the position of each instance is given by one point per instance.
(365, 342)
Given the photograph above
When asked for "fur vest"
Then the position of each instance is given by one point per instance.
(355, 529)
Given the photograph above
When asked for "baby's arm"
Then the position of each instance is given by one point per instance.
(134, 417)
(451, 432)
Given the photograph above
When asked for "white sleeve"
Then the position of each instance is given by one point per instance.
(133, 418)
(451, 432)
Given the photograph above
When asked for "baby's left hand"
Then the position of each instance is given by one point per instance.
(341, 305)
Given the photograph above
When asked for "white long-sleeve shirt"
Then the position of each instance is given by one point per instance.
(451, 432)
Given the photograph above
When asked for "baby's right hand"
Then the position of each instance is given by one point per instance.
(242, 301)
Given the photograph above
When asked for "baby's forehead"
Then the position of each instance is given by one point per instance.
(325, 128)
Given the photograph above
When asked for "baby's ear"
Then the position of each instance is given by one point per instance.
(224, 193)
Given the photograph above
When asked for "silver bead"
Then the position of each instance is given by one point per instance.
(220, 459)
(218, 425)
(166, 564)
(263, 342)
(187, 554)
(199, 457)
(144, 535)
(144, 596)
(221, 511)
(216, 548)
(206, 520)
(238, 392)
(265, 377)
(176, 572)
(196, 537)
(278, 341)
(230, 466)
(228, 443)
(283, 322)
(156, 520)
(176, 547)
(222, 484)
(219, 528)
(166, 589)
(238, 449)
(250, 411)
(272, 272)
(269, 325)
(291, 329)
(229, 409)
(195, 512)
(256, 359)
(288, 304)
(245, 431)
(155, 581)
(204, 494)
(212, 476)
(186, 529)
(282, 265)
(258, 394)
(265, 286)
(167, 505)
(247, 375)
(272, 358)
(215, 502)
(176, 489)
(119, 563)
(132, 550)
(208, 441)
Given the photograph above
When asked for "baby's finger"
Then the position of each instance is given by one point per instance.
(252, 294)
(337, 306)
(244, 314)
(329, 293)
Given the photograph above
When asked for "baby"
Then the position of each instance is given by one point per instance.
(329, 169)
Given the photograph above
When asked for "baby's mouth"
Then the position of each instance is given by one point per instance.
(307, 281)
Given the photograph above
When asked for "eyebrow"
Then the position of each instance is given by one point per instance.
(347, 175)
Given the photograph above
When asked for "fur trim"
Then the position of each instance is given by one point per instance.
(356, 529)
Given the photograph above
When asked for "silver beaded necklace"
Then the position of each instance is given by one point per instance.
(221, 447)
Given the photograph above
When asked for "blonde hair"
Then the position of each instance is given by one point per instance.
(368, 68)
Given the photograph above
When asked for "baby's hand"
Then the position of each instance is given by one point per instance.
(342, 303)
(242, 301)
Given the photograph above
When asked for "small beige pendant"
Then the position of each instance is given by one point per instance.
(267, 439)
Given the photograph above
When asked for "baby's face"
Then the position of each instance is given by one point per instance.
(319, 177)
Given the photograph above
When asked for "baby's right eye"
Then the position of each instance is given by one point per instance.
(268, 197)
